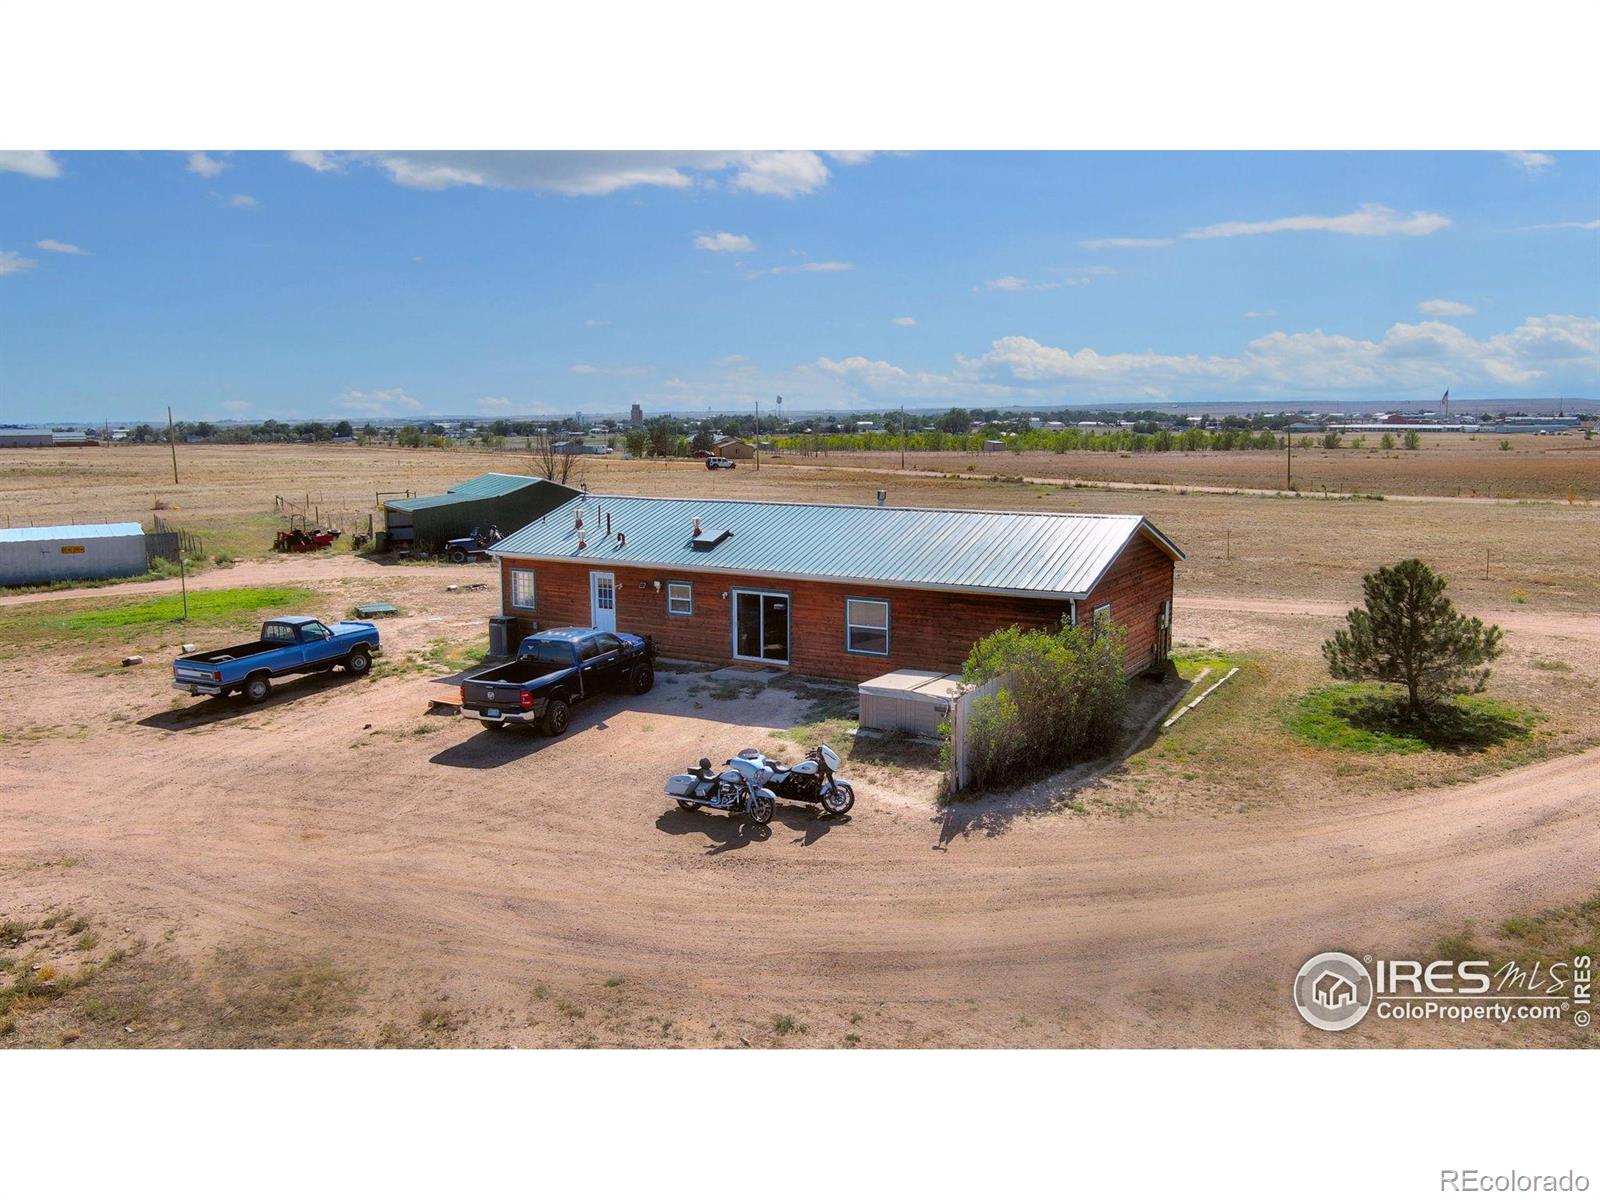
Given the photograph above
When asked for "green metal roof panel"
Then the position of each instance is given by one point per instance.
(480, 487)
(1027, 553)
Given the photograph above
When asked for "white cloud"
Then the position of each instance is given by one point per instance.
(37, 163)
(1257, 314)
(12, 263)
(851, 158)
(235, 406)
(595, 323)
(732, 360)
(1594, 224)
(827, 266)
(1428, 353)
(56, 247)
(205, 166)
(1370, 220)
(591, 369)
(902, 320)
(1446, 308)
(725, 243)
(1016, 283)
(782, 173)
(494, 403)
(1533, 161)
(595, 173)
(387, 402)
(318, 160)
(240, 200)
(1124, 243)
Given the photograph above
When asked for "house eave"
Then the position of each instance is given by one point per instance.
(843, 580)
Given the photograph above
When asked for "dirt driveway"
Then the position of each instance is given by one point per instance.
(492, 888)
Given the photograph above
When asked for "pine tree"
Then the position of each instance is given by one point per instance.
(1409, 633)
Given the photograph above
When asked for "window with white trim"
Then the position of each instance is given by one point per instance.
(680, 599)
(1100, 618)
(521, 587)
(866, 626)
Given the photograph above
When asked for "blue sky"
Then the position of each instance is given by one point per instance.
(252, 285)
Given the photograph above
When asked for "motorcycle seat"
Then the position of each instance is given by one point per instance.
(703, 772)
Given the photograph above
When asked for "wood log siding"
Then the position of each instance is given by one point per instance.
(928, 630)
(1135, 587)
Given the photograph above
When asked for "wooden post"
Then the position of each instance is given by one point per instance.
(902, 437)
(172, 443)
(183, 579)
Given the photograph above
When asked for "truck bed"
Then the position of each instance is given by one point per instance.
(515, 673)
(212, 657)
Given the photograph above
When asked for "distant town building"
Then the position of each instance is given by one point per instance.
(635, 415)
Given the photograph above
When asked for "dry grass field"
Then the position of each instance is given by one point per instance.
(345, 866)
(1461, 466)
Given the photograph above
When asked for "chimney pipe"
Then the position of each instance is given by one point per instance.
(883, 497)
(622, 538)
(579, 525)
(608, 524)
(696, 526)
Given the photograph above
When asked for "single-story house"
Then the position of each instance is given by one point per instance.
(507, 501)
(841, 591)
(732, 447)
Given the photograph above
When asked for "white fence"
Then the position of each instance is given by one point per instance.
(960, 723)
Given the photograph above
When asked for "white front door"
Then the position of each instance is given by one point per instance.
(603, 600)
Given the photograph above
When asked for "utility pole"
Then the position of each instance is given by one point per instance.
(172, 441)
(1288, 466)
(758, 435)
(902, 437)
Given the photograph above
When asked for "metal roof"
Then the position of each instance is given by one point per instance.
(479, 487)
(56, 533)
(1017, 553)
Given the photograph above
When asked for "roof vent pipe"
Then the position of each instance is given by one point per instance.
(579, 525)
(608, 524)
(696, 527)
(622, 538)
(883, 497)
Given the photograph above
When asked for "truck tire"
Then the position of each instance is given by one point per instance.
(257, 688)
(556, 716)
(359, 661)
(458, 556)
(642, 679)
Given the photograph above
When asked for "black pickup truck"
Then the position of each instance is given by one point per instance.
(555, 669)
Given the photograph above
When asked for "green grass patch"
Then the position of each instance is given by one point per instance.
(215, 605)
(1371, 719)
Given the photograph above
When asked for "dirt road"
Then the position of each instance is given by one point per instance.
(544, 892)
(319, 569)
(1584, 626)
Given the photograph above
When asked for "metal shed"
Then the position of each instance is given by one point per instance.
(509, 501)
(50, 553)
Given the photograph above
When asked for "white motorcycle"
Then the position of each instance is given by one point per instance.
(736, 788)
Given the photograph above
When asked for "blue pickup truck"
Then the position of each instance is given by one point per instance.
(288, 646)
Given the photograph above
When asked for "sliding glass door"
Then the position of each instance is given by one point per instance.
(761, 626)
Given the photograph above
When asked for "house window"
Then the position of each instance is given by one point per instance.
(1100, 618)
(866, 626)
(521, 588)
(680, 599)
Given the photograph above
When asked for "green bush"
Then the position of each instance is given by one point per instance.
(1064, 698)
